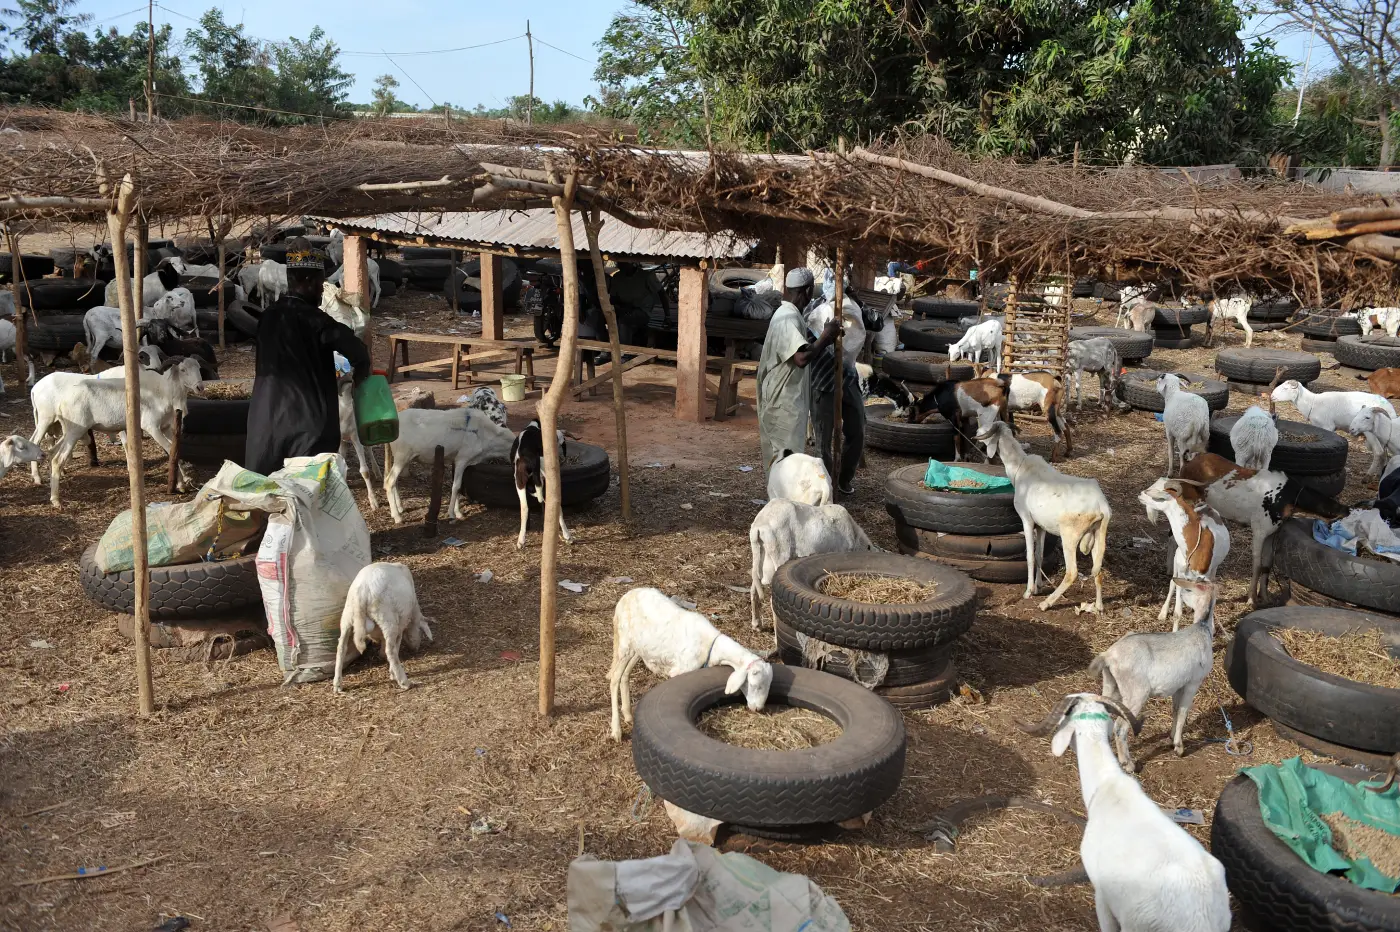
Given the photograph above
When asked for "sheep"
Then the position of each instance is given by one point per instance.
(983, 338)
(102, 328)
(272, 282)
(15, 449)
(338, 278)
(852, 325)
(382, 605)
(248, 280)
(336, 247)
(350, 431)
(1043, 392)
(1186, 418)
(100, 404)
(164, 342)
(1097, 356)
(1253, 438)
(1148, 873)
(467, 437)
(7, 304)
(527, 458)
(165, 277)
(971, 406)
(1384, 382)
(1201, 537)
(1382, 434)
(785, 530)
(798, 477)
(1139, 316)
(1236, 309)
(650, 628)
(1048, 501)
(486, 400)
(1261, 499)
(1130, 298)
(177, 306)
(1329, 410)
(1386, 318)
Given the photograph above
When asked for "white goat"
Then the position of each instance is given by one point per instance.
(1386, 318)
(272, 281)
(1330, 410)
(1202, 539)
(1382, 434)
(7, 345)
(982, 338)
(785, 530)
(650, 628)
(1187, 421)
(1130, 298)
(248, 280)
(801, 478)
(338, 278)
(382, 605)
(1048, 501)
(1041, 391)
(1097, 356)
(15, 449)
(102, 328)
(1236, 309)
(467, 437)
(100, 404)
(177, 306)
(163, 278)
(1148, 874)
(349, 431)
(336, 247)
(1253, 438)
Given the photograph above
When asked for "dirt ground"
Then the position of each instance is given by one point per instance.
(271, 805)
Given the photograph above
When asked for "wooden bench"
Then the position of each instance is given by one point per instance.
(522, 351)
(641, 356)
(731, 373)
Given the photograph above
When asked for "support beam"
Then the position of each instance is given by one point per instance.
(493, 298)
(356, 259)
(690, 345)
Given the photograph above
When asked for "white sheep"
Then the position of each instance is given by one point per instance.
(1201, 537)
(382, 605)
(7, 345)
(649, 628)
(272, 281)
(1253, 438)
(350, 432)
(467, 437)
(163, 278)
(798, 477)
(1382, 434)
(336, 247)
(1097, 356)
(338, 278)
(248, 279)
(986, 338)
(1329, 410)
(177, 306)
(15, 449)
(1236, 309)
(785, 530)
(1187, 421)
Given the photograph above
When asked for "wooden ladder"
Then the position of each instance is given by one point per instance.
(1036, 335)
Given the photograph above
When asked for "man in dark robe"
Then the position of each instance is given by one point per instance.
(294, 410)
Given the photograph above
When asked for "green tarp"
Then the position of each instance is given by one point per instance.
(942, 476)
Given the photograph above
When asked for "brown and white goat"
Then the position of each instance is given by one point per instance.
(1042, 392)
(1384, 382)
(971, 406)
(1202, 540)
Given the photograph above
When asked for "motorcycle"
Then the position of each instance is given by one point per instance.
(544, 299)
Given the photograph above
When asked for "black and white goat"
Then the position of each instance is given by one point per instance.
(878, 385)
(527, 457)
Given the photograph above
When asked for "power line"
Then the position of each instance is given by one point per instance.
(464, 48)
(108, 19)
(556, 48)
(410, 77)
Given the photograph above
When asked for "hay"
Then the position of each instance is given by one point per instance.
(1358, 655)
(1295, 437)
(875, 588)
(1357, 840)
(226, 390)
(776, 728)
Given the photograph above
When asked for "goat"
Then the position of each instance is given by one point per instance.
(486, 401)
(272, 282)
(177, 306)
(1139, 316)
(1130, 298)
(1261, 499)
(1048, 501)
(1201, 537)
(1097, 356)
(1386, 318)
(986, 338)
(649, 628)
(382, 605)
(798, 477)
(1384, 382)
(102, 329)
(100, 404)
(527, 457)
(165, 277)
(349, 430)
(973, 403)
(1236, 309)
(338, 278)
(1253, 438)
(1329, 410)
(161, 336)
(467, 437)
(878, 385)
(1186, 418)
(336, 247)
(1382, 434)
(1148, 873)
(15, 449)
(1043, 392)
(7, 344)
(248, 280)
(785, 530)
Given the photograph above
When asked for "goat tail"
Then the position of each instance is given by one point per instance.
(1097, 665)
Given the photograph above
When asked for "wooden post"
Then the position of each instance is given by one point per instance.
(592, 223)
(21, 329)
(172, 479)
(356, 281)
(548, 412)
(493, 298)
(117, 220)
(138, 275)
(690, 345)
(430, 524)
(837, 300)
(223, 310)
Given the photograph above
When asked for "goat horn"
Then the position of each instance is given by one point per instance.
(1113, 705)
(1052, 720)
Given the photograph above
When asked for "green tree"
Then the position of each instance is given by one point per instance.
(233, 67)
(384, 100)
(647, 74)
(309, 76)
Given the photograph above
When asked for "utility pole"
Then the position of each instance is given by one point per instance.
(1303, 82)
(150, 61)
(530, 101)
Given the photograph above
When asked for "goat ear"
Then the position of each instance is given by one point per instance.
(736, 680)
(1063, 735)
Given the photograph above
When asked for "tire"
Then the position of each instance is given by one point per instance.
(1083, 288)
(1168, 339)
(1179, 317)
(493, 484)
(923, 367)
(212, 416)
(208, 322)
(1138, 390)
(941, 308)
(190, 590)
(63, 294)
(30, 266)
(1275, 888)
(907, 668)
(277, 252)
(832, 782)
(1331, 484)
(242, 317)
(1131, 345)
(1259, 365)
(1003, 559)
(1277, 309)
(907, 499)
(390, 270)
(468, 297)
(427, 274)
(211, 450)
(798, 601)
(1329, 325)
(1367, 582)
(993, 571)
(727, 282)
(542, 331)
(933, 439)
(388, 288)
(206, 294)
(931, 336)
(415, 253)
(56, 334)
(931, 692)
(1318, 346)
(1370, 353)
(1326, 455)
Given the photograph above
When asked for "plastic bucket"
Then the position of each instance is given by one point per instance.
(512, 388)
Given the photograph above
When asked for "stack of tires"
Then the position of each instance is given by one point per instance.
(1273, 314)
(941, 308)
(1322, 327)
(58, 303)
(1319, 575)
(884, 431)
(1369, 353)
(1138, 389)
(932, 335)
(1252, 370)
(1171, 327)
(1132, 347)
(214, 430)
(915, 638)
(1315, 457)
(427, 268)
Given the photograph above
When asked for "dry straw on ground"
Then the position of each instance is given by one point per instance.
(1357, 655)
(876, 588)
(776, 728)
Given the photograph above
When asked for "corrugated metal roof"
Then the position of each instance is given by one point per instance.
(535, 229)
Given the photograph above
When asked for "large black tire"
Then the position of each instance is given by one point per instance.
(388, 288)
(1331, 484)
(1276, 889)
(931, 336)
(728, 282)
(923, 367)
(468, 296)
(212, 449)
(1367, 582)
(1171, 339)
(56, 334)
(1138, 389)
(207, 319)
(1309, 345)
(493, 484)
(942, 308)
(909, 500)
(1327, 325)
(390, 270)
(932, 439)
(190, 590)
(63, 294)
(1277, 309)
(1324, 455)
(1259, 365)
(243, 317)
(832, 782)
(415, 253)
(907, 667)
(427, 274)
(1007, 572)
(277, 252)
(1373, 352)
(1304, 698)
(1002, 558)
(799, 601)
(206, 292)
(1131, 345)
(1171, 318)
(30, 266)
(210, 416)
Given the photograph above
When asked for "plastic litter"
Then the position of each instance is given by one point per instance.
(574, 587)
(683, 603)
(745, 469)
(485, 576)
(487, 826)
(617, 580)
(41, 645)
(686, 506)
(453, 541)
(1185, 816)
(654, 466)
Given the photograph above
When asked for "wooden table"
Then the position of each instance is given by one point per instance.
(523, 351)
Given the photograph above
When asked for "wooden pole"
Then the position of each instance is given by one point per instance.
(592, 223)
(138, 275)
(172, 479)
(430, 524)
(21, 330)
(837, 301)
(222, 296)
(117, 220)
(548, 412)
(150, 61)
(530, 100)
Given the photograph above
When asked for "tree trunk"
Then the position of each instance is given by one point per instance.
(1387, 136)
(592, 223)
